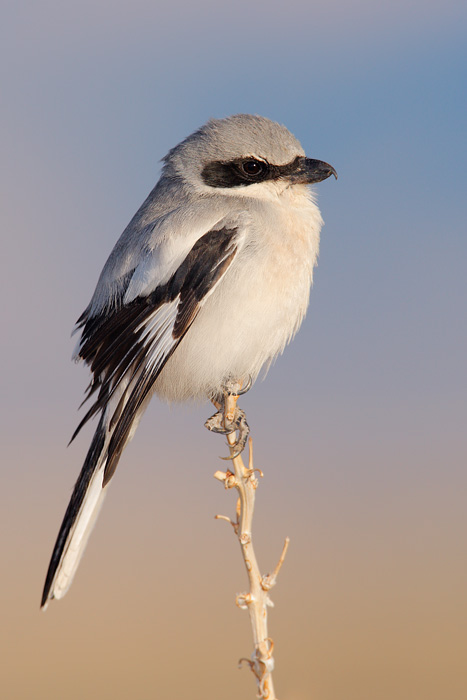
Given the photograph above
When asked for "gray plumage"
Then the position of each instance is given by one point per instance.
(208, 283)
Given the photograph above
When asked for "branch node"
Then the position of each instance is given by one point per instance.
(243, 600)
(250, 663)
(250, 477)
(262, 664)
(227, 477)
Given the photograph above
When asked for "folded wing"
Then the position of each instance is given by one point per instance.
(126, 347)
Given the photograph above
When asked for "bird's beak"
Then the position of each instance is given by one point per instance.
(310, 170)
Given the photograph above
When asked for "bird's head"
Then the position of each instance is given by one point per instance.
(244, 155)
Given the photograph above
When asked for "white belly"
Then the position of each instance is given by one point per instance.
(254, 311)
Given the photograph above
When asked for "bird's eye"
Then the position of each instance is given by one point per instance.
(252, 167)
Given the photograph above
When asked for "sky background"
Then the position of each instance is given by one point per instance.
(359, 427)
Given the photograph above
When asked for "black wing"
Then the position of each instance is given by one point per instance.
(127, 347)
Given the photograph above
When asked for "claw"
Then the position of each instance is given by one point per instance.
(236, 454)
(243, 428)
(246, 388)
(230, 387)
(216, 424)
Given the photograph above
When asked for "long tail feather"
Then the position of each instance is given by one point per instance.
(79, 519)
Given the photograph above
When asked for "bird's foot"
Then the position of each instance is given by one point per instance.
(243, 431)
(228, 424)
(230, 418)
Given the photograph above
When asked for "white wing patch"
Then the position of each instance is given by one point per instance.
(157, 334)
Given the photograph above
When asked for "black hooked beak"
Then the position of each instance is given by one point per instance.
(309, 170)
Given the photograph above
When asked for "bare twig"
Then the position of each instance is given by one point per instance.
(257, 600)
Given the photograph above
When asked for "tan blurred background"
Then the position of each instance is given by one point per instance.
(359, 427)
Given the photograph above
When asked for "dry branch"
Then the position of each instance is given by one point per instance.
(257, 599)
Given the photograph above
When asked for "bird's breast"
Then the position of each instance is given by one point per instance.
(256, 307)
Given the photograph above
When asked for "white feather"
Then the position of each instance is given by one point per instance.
(158, 336)
(79, 536)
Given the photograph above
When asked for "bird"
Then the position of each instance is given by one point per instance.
(205, 287)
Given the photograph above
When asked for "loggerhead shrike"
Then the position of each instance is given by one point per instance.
(207, 284)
